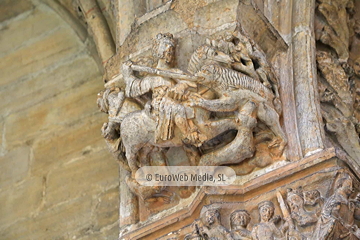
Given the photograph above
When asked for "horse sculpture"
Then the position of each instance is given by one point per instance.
(138, 128)
(219, 89)
(249, 100)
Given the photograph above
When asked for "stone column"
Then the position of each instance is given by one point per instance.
(309, 119)
(99, 29)
(129, 206)
(279, 14)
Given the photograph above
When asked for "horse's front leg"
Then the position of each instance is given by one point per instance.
(223, 104)
(213, 128)
(270, 117)
(242, 147)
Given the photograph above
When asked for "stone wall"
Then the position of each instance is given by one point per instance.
(57, 178)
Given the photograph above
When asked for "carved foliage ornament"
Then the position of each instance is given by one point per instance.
(338, 75)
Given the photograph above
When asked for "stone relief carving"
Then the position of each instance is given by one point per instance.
(337, 215)
(297, 200)
(355, 89)
(209, 226)
(335, 30)
(305, 215)
(333, 25)
(266, 228)
(239, 221)
(225, 109)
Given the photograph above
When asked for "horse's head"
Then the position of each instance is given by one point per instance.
(103, 98)
(208, 75)
(205, 55)
(102, 103)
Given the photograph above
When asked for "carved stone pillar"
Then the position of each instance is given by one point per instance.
(129, 207)
(304, 65)
(240, 84)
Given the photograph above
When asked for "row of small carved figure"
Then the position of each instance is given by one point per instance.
(333, 218)
(209, 226)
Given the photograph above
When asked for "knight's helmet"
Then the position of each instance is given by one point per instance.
(164, 47)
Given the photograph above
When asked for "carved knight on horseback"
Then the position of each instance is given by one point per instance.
(176, 109)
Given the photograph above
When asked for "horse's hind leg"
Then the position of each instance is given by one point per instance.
(192, 153)
(270, 117)
(143, 156)
(131, 156)
(157, 157)
(241, 148)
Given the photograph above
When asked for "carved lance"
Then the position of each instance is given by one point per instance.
(285, 210)
(163, 73)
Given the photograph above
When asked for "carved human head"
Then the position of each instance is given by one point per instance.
(164, 47)
(312, 197)
(102, 100)
(210, 215)
(344, 184)
(357, 67)
(266, 210)
(294, 199)
(239, 219)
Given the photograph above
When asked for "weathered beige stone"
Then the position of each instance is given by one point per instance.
(187, 9)
(35, 57)
(12, 8)
(303, 21)
(107, 10)
(279, 14)
(29, 123)
(308, 109)
(169, 21)
(260, 4)
(216, 14)
(289, 109)
(68, 12)
(2, 139)
(67, 221)
(264, 34)
(25, 31)
(105, 234)
(49, 88)
(104, 210)
(236, 91)
(20, 201)
(125, 20)
(129, 204)
(90, 174)
(98, 28)
(185, 46)
(272, 11)
(71, 7)
(53, 184)
(54, 148)
(74, 74)
(14, 166)
(140, 8)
